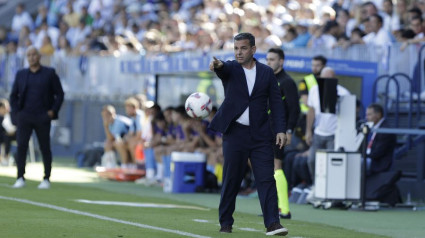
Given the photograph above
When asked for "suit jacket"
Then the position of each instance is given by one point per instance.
(53, 95)
(237, 99)
(382, 151)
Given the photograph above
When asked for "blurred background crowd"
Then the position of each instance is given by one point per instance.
(152, 27)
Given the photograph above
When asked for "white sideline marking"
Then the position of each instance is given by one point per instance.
(63, 209)
(137, 204)
(249, 229)
(200, 220)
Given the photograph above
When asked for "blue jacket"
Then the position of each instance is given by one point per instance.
(237, 99)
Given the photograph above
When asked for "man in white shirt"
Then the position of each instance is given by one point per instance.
(324, 123)
(379, 36)
(21, 19)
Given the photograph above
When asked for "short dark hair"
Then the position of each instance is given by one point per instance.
(416, 11)
(390, 1)
(245, 36)
(277, 51)
(358, 31)
(321, 58)
(377, 108)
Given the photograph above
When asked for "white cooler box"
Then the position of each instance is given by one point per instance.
(337, 175)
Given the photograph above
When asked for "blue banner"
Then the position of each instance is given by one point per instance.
(187, 63)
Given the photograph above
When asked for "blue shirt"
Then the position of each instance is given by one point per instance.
(136, 123)
(120, 126)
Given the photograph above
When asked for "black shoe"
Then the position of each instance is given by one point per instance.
(285, 216)
(276, 229)
(226, 229)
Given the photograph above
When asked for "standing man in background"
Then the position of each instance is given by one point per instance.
(36, 98)
(317, 64)
(249, 87)
(288, 89)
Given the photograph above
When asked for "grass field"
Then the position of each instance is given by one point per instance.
(59, 212)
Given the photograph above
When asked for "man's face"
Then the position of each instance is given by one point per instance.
(387, 7)
(243, 51)
(316, 67)
(33, 57)
(107, 116)
(372, 116)
(375, 25)
(274, 62)
(416, 26)
(130, 110)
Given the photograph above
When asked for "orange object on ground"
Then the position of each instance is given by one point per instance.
(119, 174)
(138, 153)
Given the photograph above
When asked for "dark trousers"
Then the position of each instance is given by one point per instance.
(238, 146)
(27, 123)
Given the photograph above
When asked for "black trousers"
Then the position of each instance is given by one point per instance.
(27, 123)
(238, 146)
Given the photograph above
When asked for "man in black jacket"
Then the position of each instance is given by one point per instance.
(275, 59)
(380, 147)
(36, 98)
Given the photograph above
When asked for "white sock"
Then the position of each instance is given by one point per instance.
(150, 173)
(160, 171)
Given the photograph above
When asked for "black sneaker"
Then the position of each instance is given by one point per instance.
(226, 229)
(276, 229)
(285, 216)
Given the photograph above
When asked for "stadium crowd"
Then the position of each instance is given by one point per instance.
(152, 27)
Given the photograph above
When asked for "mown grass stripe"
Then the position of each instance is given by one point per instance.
(105, 218)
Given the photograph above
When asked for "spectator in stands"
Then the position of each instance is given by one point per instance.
(115, 127)
(401, 9)
(416, 25)
(324, 124)
(86, 16)
(41, 16)
(47, 48)
(36, 98)
(46, 30)
(380, 147)
(421, 5)
(98, 21)
(21, 19)
(379, 36)
(7, 131)
(71, 17)
(412, 13)
(78, 34)
(391, 19)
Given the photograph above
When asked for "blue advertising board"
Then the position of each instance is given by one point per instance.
(192, 63)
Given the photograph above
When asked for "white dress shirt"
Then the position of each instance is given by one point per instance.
(250, 80)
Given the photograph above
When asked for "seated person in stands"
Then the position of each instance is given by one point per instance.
(210, 145)
(116, 127)
(7, 131)
(134, 135)
(380, 147)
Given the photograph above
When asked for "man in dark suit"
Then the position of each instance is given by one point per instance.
(249, 87)
(380, 147)
(36, 98)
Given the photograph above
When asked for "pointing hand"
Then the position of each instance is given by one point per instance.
(215, 64)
